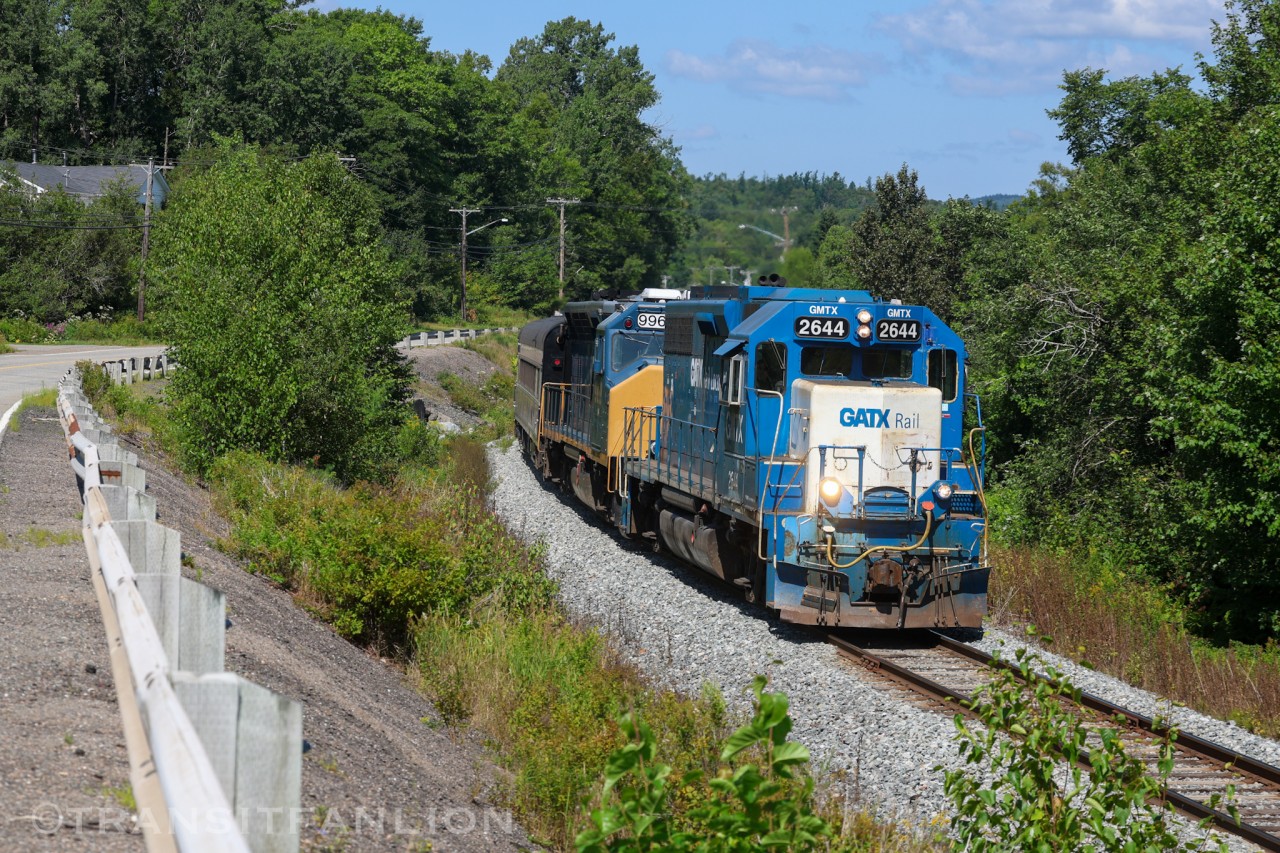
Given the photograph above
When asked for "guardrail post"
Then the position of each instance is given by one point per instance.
(254, 740)
(128, 504)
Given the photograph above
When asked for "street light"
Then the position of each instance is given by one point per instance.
(462, 308)
(784, 242)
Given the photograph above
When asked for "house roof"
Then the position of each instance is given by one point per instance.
(88, 182)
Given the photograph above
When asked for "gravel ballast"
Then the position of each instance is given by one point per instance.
(684, 631)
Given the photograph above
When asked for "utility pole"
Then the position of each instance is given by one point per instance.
(786, 227)
(146, 239)
(462, 310)
(562, 202)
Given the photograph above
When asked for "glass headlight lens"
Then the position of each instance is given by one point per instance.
(864, 332)
(864, 317)
(943, 491)
(831, 490)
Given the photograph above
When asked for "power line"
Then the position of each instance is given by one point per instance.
(28, 223)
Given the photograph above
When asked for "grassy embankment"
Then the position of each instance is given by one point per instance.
(1120, 625)
(421, 569)
(122, 331)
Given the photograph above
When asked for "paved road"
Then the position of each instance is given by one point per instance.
(33, 366)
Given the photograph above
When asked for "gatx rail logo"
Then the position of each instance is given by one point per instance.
(872, 418)
(878, 419)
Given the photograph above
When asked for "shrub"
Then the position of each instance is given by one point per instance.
(277, 293)
(95, 382)
(1015, 793)
(751, 806)
(370, 558)
(21, 330)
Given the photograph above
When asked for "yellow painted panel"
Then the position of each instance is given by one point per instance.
(642, 390)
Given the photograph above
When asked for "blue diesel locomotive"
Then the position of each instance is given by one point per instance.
(809, 446)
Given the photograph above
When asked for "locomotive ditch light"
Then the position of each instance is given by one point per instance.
(864, 332)
(943, 491)
(864, 317)
(831, 491)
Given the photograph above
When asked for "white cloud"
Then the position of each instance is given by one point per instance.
(702, 131)
(1003, 46)
(754, 65)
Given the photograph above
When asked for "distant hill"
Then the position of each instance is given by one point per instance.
(999, 201)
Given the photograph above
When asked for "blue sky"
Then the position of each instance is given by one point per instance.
(955, 88)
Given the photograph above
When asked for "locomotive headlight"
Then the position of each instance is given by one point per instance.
(864, 317)
(831, 490)
(943, 491)
(864, 332)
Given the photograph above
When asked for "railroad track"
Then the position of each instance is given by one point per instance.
(937, 671)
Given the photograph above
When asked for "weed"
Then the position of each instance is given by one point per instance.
(1030, 791)
(122, 794)
(44, 399)
(68, 739)
(38, 537)
(329, 763)
(371, 558)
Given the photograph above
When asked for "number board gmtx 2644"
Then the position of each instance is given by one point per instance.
(822, 327)
(898, 331)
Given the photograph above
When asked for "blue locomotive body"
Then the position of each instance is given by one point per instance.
(811, 447)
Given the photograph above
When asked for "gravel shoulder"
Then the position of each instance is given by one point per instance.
(382, 773)
(63, 762)
(683, 632)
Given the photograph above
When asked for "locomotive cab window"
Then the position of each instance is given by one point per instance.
(943, 374)
(627, 347)
(886, 363)
(771, 367)
(826, 361)
(736, 376)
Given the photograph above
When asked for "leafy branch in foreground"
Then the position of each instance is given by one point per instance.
(1057, 784)
(751, 806)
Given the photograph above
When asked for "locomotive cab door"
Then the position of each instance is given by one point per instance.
(735, 475)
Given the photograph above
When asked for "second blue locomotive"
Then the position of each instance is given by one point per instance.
(811, 446)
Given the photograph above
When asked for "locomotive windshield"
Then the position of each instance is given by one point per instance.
(626, 347)
(886, 363)
(826, 361)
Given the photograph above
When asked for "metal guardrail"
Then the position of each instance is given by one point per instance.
(215, 760)
(433, 339)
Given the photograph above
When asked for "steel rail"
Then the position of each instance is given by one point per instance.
(1189, 744)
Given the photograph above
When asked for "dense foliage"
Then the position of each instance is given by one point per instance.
(278, 298)
(1124, 319)
(89, 82)
(55, 274)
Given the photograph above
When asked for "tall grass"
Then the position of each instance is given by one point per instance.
(1133, 630)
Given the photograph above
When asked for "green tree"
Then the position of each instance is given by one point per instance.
(894, 250)
(589, 98)
(85, 262)
(278, 297)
